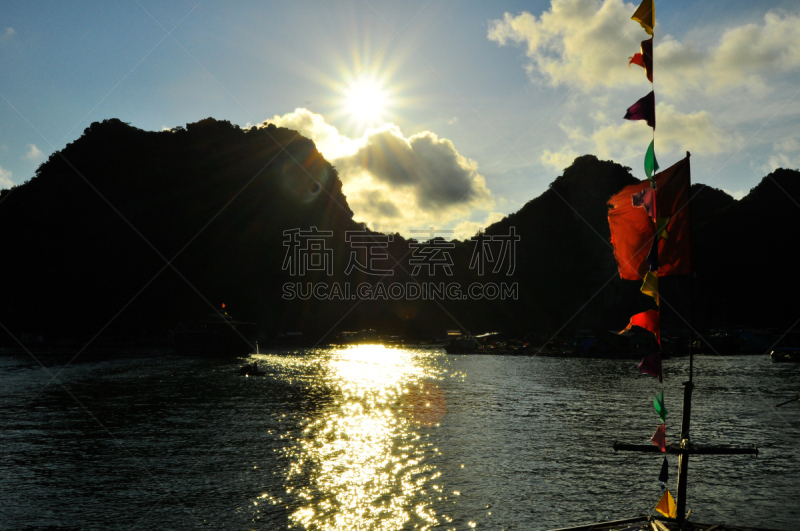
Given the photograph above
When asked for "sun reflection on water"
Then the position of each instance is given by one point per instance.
(366, 455)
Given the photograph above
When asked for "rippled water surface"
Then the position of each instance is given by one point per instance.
(369, 437)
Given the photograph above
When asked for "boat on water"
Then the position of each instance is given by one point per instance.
(218, 334)
(464, 345)
(251, 369)
(784, 354)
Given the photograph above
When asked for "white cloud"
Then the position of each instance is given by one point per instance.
(622, 140)
(5, 179)
(786, 154)
(676, 132)
(453, 121)
(396, 183)
(34, 153)
(587, 43)
(467, 229)
(737, 194)
(559, 159)
(329, 142)
(575, 42)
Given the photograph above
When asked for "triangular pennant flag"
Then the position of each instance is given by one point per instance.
(658, 403)
(651, 364)
(645, 15)
(644, 59)
(666, 505)
(650, 285)
(650, 162)
(644, 109)
(659, 438)
(663, 476)
(648, 320)
(636, 59)
(646, 200)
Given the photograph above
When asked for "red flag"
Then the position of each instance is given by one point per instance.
(644, 59)
(648, 320)
(659, 438)
(633, 230)
(644, 109)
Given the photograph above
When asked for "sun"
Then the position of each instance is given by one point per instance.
(366, 102)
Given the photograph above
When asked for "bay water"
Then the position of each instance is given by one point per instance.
(376, 437)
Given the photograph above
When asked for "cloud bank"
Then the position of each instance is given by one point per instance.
(739, 79)
(583, 43)
(396, 183)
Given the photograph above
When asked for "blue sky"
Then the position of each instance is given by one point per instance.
(492, 99)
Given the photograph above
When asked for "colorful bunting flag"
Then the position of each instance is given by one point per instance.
(651, 364)
(650, 162)
(633, 230)
(644, 59)
(647, 320)
(650, 285)
(659, 438)
(644, 109)
(636, 59)
(663, 476)
(645, 15)
(666, 505)
(658, 403)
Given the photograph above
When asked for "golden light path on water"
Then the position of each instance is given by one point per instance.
(365, 454)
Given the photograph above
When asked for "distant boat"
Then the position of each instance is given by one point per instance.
(251, 370)
(219, 334)
(783, 354)
(464, 345)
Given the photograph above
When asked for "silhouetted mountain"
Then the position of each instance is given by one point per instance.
(131, 232)
(127, 233)
(743, 257)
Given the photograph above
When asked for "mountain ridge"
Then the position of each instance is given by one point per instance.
(130, 233)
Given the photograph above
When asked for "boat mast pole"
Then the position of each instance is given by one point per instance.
(686, 414)
(683, 460)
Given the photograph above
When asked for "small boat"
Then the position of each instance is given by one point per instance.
(251, 370)
(464, 345)
(783, 354)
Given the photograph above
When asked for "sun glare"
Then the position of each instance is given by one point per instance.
(366, 103)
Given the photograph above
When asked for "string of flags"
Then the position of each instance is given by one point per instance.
(650, 235)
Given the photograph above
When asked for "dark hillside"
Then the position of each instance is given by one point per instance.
(128, 234)
(100, 220)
